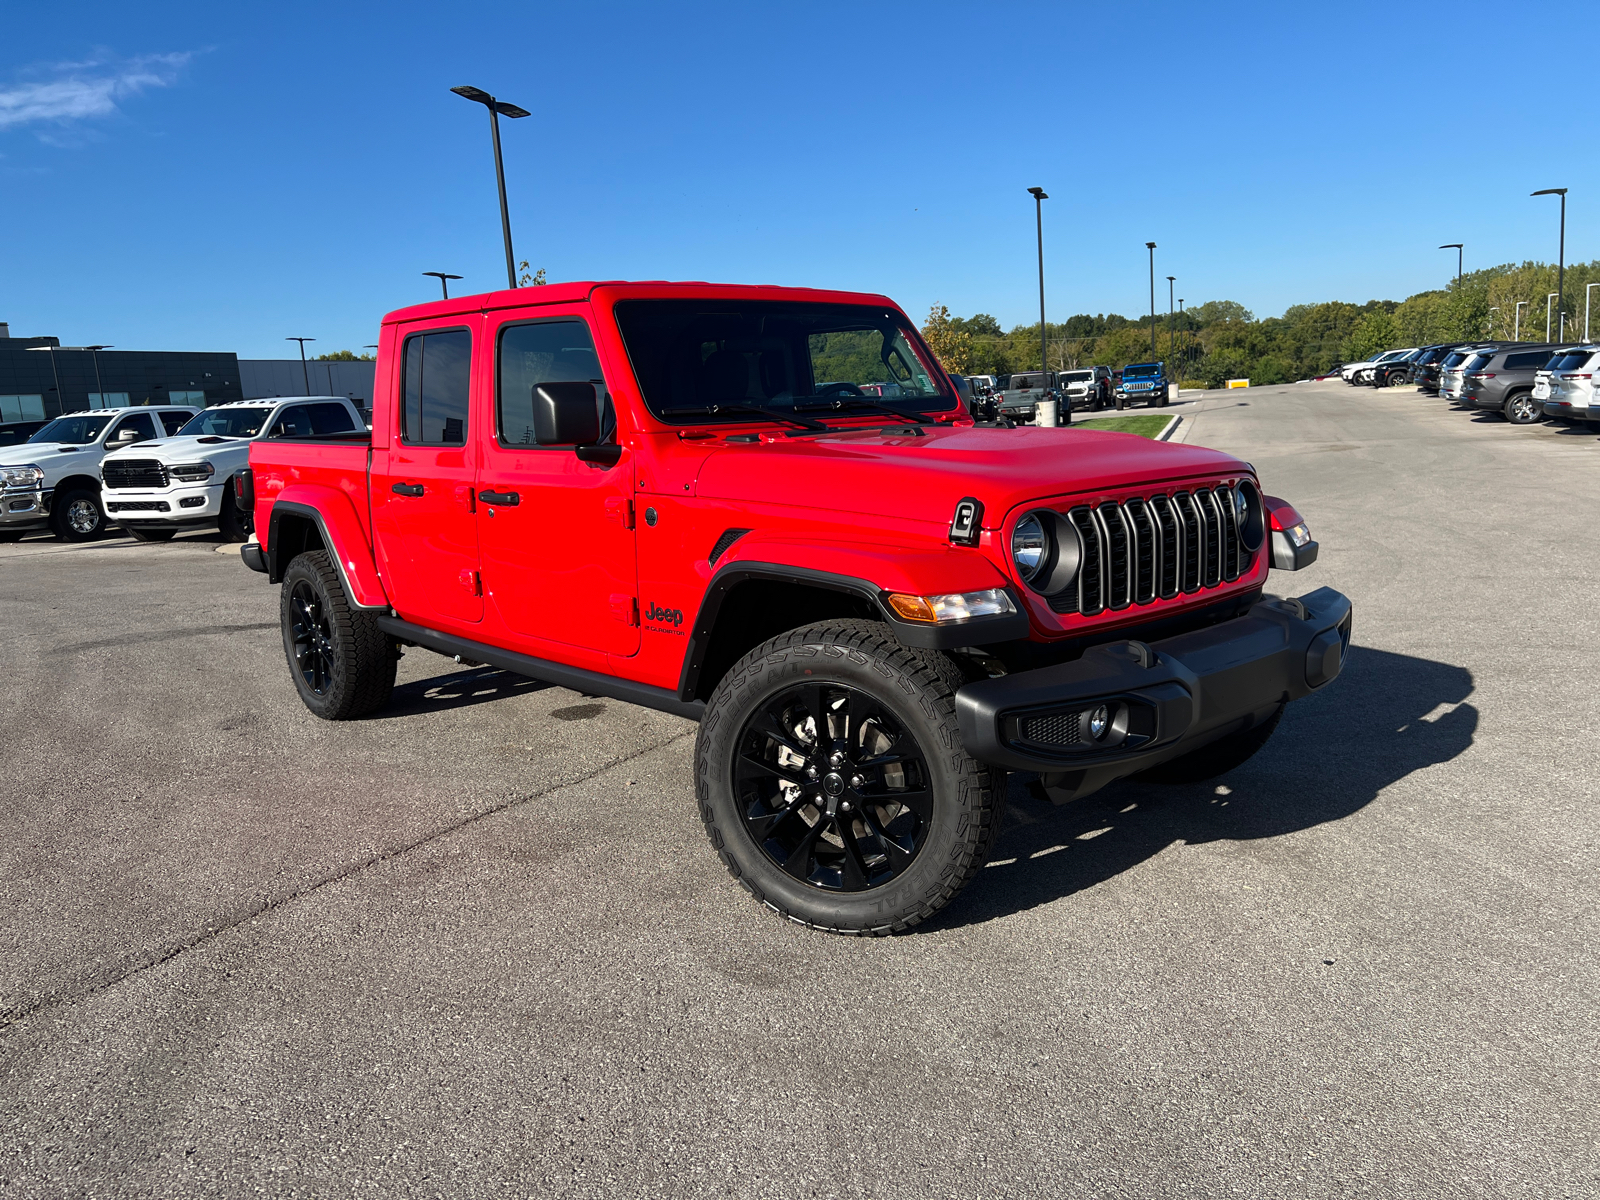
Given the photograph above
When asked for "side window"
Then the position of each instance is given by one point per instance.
(547, 352)
(173, 421)
(437, 368)
(292, 422)
(329, 418)
(144, 429)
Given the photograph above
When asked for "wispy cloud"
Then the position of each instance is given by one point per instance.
(85, 90)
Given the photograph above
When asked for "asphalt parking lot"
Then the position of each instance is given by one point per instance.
(477, 945)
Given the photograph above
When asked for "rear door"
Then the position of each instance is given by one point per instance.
(423, 508)
(556, 533)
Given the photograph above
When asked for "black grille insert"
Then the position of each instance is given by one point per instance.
(133, 473)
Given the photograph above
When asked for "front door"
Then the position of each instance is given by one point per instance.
(556, 533)
(422, 496)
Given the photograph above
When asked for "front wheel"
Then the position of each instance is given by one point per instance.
(1522, 409)
(232, 522)
(76, 516)
(343, 665)
(832, 781)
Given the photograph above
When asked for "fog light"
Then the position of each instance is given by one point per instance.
(191, 502)
(1098, 720)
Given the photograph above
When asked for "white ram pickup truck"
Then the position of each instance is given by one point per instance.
(187, 481)
(53, 478)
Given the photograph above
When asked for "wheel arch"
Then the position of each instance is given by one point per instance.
(76, 481)
(310, 517)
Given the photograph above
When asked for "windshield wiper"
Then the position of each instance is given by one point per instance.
(741, 406)
(864, 405)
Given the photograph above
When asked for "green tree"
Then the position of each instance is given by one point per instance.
(1373, 334)
(343, 356)
(952, 346)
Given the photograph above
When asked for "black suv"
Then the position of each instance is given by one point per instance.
(1425, 367)
(1501, 380)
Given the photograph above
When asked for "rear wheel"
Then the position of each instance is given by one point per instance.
(232, 522)
(833, 785)
(343, 665)
(149, 533)
(76, 516)
(1521, 408)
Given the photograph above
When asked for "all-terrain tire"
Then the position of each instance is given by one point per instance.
(916, 689)
(342, 664)
(149, 533)
(76, 515)
(233, 524)
(1220, 757)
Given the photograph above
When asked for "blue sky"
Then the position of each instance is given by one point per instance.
(218, 177)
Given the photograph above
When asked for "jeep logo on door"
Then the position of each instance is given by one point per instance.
(666, 616)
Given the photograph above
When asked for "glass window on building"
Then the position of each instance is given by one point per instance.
(108, 399)
(21, 408)
(196, 398)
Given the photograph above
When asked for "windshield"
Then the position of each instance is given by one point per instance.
(1077, 376)
(1570, 361)
(1141, 370)
(1456, 358)
(227, 422)
(691, 354)
(1480, 360)
(78, 431)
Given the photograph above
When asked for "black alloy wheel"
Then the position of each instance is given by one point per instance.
(311, 635)
(832, 788)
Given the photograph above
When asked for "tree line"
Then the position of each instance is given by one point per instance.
(1221, 339)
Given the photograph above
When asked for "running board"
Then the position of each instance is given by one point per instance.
(591, 683)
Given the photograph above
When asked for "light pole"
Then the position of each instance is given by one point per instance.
(304, 373)
(441, 277)
(1587, 288)
(1561, 253)
(1516, 328)
(1548, 300)
(94, 353)
(1185, 340)
(1039, 197)
(1457, 247)
(497, 109)
(1172, 330)
(56, 375)
(1151, 246)
(1494, 308)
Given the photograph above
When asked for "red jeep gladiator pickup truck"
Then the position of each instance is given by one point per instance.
(684, 496)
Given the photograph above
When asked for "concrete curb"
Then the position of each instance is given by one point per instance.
(1172, 428)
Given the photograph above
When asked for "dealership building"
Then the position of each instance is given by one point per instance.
(40, 378)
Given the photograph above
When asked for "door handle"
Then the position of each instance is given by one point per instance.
(407, 489)
(503, 499)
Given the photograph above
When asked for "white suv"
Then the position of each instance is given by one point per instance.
(155, 491)
(53, 478)
(1566, 387)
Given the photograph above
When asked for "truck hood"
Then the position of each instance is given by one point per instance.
(43, 453)
(922, 478)
(186, 449)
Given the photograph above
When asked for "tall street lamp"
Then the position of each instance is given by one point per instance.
(55, 374)
(1548, 300)
(1561, 255)
(498, 109)
(1587, 288)
(1457, 247)
(441, 277)
(94, 353)
(1516, 325)
(1151, 246)
(1171, 328)
(1039, 197)
(305, 374)
(1185, 334)
(1494, 308)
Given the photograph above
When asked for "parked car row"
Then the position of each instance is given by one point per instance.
(1524, 382)
(151, 470)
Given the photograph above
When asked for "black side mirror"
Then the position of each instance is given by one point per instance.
(565, 414)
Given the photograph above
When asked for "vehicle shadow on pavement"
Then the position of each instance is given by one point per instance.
(1386, 717)
(476, 685)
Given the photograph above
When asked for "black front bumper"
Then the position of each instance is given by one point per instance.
(1127, 706)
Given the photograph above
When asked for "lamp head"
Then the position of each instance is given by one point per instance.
(1549, 192)
(1149, 245)
(1038, 193)
(476, 95)
(1453, 246)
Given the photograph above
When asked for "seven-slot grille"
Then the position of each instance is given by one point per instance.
(1142, 548)
(133, 473)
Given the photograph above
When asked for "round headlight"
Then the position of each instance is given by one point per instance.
(1030, 547)
(1248, 510)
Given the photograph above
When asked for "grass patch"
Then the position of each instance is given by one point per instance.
(1145, 425)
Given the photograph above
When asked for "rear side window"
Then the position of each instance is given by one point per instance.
(173, 421)
(1527, 361)
(546, 352)
(329, 418)
(437, 370)
(1570, 361)
(293, 421)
